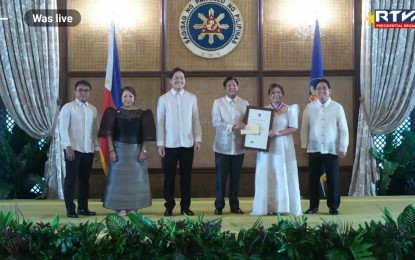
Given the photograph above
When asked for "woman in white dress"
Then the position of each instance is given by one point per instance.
(276, 176)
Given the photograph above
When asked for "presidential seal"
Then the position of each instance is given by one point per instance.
(211, 28)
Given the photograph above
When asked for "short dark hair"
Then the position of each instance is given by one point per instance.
(227, 79)
(276, 85)
(83, 82)
(176, 70)
(323, 80)
(128, 88)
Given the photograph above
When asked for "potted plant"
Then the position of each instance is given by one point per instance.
(22, 162)
(397, 170)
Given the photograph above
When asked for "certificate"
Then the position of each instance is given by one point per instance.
(250, 130)
(262, 117)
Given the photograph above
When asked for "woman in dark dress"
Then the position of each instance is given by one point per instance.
(127, 130)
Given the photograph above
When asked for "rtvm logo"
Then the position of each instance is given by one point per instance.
(394, 19)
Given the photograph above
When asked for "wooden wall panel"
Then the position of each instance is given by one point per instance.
(138, 44)
(285, 51)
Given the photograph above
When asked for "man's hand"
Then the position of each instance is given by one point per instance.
(197, 146)
(96, 155)
(342, 154)
(304, 151)
(70, 153)
(162, 151)
(238, 126)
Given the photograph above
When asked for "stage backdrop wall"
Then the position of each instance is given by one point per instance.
(269, 52)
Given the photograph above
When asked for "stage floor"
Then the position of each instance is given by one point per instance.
(353, 210)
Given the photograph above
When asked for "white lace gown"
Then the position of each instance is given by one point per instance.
(276, 176)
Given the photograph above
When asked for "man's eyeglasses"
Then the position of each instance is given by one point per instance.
(322, 88)
(80, 90)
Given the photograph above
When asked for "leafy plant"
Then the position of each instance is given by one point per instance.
(398, 164)
(392, 239)
(22, 163)
(140, 238)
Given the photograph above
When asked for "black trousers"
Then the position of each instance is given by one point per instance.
(80, 167)
(232, 165)
(183, 155)
(316, 161)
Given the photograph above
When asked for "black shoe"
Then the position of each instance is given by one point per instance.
(187, 212)
(218, 212)
(311, 211)
(237, 211)
(168, 212)
(86, 212)
(72, 214)
(333, 212)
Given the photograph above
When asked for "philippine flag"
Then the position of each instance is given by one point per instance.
(111, 96)
(316, 63)
(317, 73)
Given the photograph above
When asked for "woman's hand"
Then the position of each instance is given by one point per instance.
(113, 156)
(273, 132)
(142, 156)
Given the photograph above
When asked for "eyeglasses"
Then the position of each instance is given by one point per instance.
(80, 90)
(322, 88)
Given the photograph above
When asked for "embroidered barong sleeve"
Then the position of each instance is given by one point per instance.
(64, 120)
(197, 129)
(343, 130)
(217, 119)
(161, 122)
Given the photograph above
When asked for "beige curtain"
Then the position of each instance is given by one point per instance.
(387, 89)
(29, 80)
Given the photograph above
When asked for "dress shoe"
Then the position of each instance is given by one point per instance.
(237, 211)
(72, 214)
(168, 212)
(218, 212)
(187, 212)
(86, 212)
(311, 211)
(333, 212)
(121, 213)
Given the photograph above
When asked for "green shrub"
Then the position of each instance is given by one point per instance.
(140, 238)
(22, 164)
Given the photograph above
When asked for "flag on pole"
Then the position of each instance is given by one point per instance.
(316, 64)
(111, 96)
(317, 73)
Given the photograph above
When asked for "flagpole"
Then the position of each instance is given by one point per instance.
(316, 63)
(111, 95)
(315, 74)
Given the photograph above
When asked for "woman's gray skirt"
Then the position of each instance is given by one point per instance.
(128, 185)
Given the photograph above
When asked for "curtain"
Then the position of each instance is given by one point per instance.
(387, 89)
(29, 80)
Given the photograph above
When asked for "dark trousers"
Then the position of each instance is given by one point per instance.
(228, 164)
(80, 167)
(316, 161)
(184, 156)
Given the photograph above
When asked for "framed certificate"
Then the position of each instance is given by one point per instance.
(261, 117)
